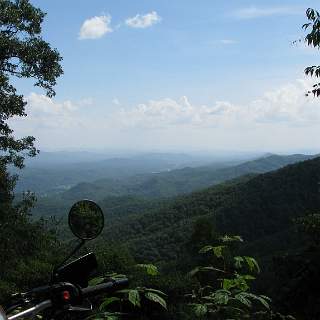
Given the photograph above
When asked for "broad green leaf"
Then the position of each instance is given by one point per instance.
(265, 297)
(212, 269)
(243, 299)
(206, 249)
(204, 269)
(221, 296)
(115, 276)
(156, 298)
(238, 262)
(261, 299)
(107, 302)
(150, 269)
(241, 281)
(252, 264)
(228, 284)
(217, 251)
(200, 310)
(134, 297)
(193, 272)
(157, 292)
(227, 238)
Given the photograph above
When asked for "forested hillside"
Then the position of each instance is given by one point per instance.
(260, 208)
(175, 182)
(169, 233)
(136, 189)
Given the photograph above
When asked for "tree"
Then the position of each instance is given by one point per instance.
(312, 39)
(23, 54)
(24, 246)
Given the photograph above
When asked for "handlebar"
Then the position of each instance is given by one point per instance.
(31, 312)
(108, 287)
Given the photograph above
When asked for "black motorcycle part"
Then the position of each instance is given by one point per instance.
(78, 271)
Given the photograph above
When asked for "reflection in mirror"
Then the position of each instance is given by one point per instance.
(86, 219)
(2, 314)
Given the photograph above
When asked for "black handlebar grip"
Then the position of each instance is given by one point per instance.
(107, 287)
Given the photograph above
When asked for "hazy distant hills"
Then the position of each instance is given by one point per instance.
(137, 194)
(58, 171)
(261, 209)
(176, 182)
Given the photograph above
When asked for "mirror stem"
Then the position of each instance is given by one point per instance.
(67, 258)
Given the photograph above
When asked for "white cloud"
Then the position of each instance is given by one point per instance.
(143, 21)
(256, 12)
(280, 119)
(287, 105)
(46, 114)
(95, 27)
(39, 104)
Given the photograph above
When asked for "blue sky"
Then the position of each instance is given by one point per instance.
(176, 75)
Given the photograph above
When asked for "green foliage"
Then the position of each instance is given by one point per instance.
(217, 250)
(113, 258)
(226, 292)
(24, 54)
(107, 301)
(310, 225)
(261, 209)
(27, 249)
(229, 239)
(135, 300)
(150, 269)
(312, 39)
(135, 296)
(95, 281)
(296, 284)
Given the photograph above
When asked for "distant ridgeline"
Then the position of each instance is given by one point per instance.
(176, 182)
(259, 208)
(134, 194)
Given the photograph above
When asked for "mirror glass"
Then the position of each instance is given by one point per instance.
(2, 314)
(86, 220)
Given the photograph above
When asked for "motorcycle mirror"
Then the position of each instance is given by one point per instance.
(86, 220)
(2, 314)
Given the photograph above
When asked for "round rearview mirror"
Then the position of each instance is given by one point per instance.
(2, 314)
(86, 220)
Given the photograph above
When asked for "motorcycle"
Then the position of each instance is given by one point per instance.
(68, 294)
